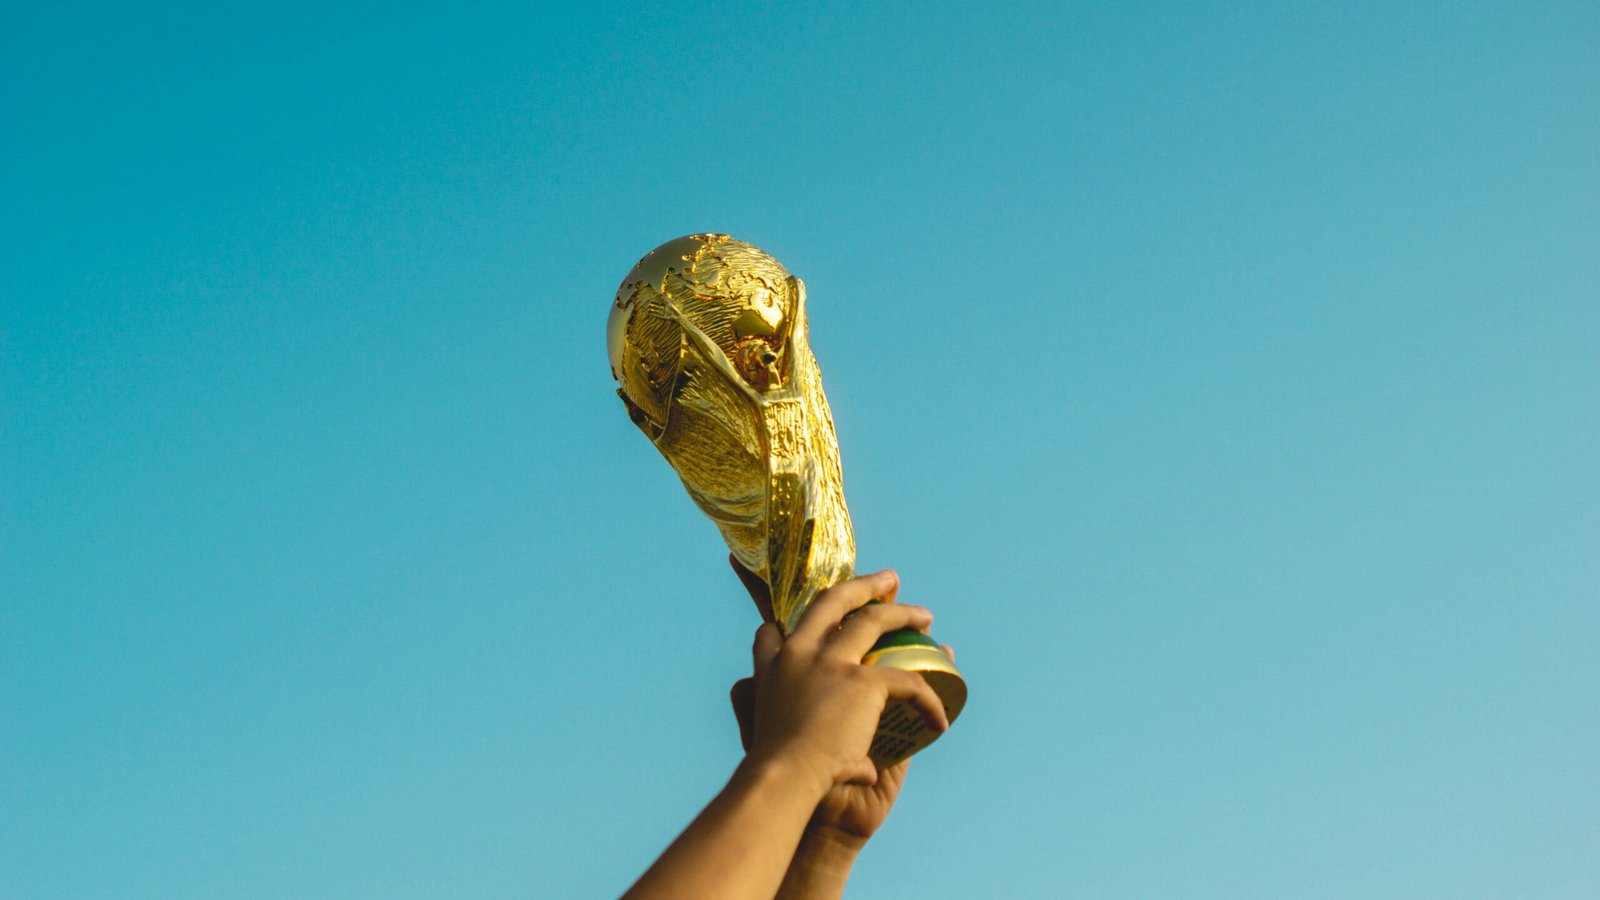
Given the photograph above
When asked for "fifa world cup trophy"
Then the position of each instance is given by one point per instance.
(708, 340)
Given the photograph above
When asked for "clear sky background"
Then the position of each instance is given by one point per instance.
(1226, 378)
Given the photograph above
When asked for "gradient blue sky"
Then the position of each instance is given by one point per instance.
(1227, 379)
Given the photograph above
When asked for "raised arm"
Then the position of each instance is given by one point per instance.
(815, 710)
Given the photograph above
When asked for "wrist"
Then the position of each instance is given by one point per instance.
(788, 770)
(829, 845)
(821, 865)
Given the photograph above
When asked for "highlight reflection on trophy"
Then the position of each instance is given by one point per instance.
(708, 339)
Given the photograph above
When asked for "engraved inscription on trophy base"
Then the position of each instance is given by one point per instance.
(901, 731)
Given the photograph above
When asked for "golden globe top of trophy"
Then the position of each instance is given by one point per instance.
(708, 340)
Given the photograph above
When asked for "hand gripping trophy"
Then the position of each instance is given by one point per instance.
(708, 339)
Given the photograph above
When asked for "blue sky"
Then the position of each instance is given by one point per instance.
(1227, 380)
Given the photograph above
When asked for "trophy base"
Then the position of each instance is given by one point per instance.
(901, 731)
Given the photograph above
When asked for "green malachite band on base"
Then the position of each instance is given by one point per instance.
(905, 637)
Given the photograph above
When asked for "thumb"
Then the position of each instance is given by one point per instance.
(743, 696)
(862, 773)
(759, 592)
(768, 643)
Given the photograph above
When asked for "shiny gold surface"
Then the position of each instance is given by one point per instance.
(708, 340)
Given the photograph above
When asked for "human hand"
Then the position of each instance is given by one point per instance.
(812, 702)
(852, 813)
(848, 814)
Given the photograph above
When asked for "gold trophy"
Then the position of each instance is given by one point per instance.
(708, 339)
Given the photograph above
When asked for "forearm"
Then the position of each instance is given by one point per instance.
(821, 865)
(742, 843)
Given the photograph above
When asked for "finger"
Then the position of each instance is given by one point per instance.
(948, 651)
(760, 594)
(830, 607)
(893, 592)
(894, 776)
(767, 644)
(862, 628)
(915, 690)
(743, 697)
(863, 773)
